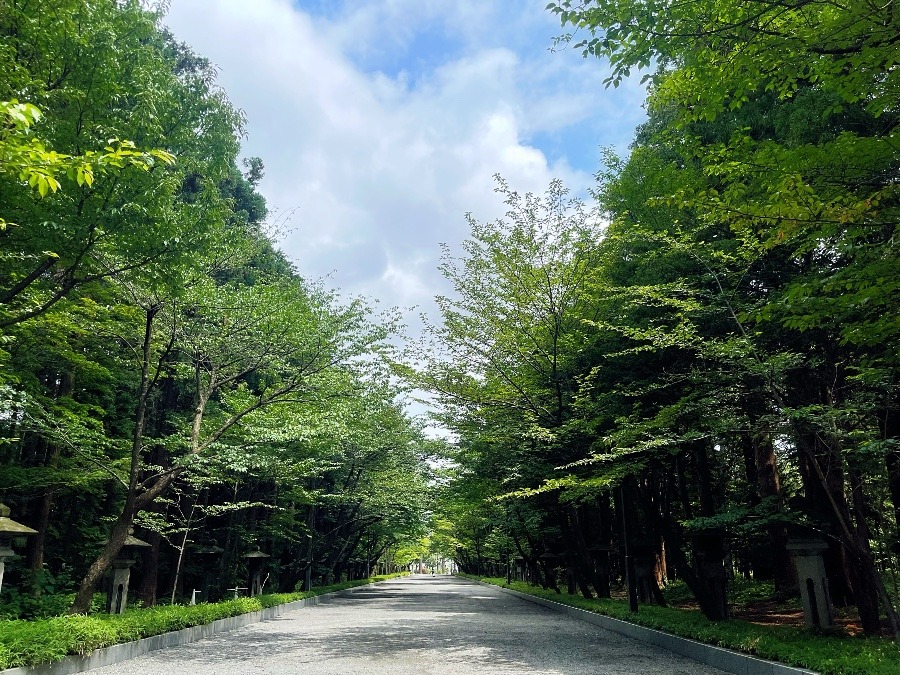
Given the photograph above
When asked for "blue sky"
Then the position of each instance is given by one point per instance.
(382, 122)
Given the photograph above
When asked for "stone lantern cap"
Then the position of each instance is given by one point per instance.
(257, 554)
(11, 528)
(807, 546)
(131, 540)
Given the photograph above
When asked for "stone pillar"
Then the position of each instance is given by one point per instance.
(813, 582)
(117, 595)
(5, 552)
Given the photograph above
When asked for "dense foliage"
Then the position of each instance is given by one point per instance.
(706, 360)
(163, 367)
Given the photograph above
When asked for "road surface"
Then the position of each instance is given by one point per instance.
(418, 625)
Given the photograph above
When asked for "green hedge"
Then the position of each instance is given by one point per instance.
(28, 643)
(794, 646)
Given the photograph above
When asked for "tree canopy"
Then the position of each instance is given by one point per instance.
(165, 369)
(706, 367)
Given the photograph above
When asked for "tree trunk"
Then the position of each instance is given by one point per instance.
(769, 485)
(117, 535)
(889, 421)
(38, 541)
(866, 582)
(867, 595)
(585, 559)
(119, 532)
(704, 478)
(150, 570)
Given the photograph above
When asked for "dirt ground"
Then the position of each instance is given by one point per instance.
(770, 613)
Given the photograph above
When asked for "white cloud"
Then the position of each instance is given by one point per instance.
(378, 167)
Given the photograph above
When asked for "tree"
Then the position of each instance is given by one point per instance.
(504, 363)
(788, 113)
(164, 365)
(243, 348)
(139, 85)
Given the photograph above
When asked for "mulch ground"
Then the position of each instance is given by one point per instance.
(771, 613)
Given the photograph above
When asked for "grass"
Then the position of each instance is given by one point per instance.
(832, 655)
(29, 643)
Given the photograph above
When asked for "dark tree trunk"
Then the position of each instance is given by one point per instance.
(38, 541)
(889, 421)
(670, 530)
(147, 591)
(64, 386)
(123, 522)
(769, 485)
(704, 478)
(583, 552)
(867, 595)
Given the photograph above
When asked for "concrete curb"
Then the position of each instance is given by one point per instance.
(113, 654)
(717, 657)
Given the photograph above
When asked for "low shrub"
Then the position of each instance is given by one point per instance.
(831, 655)
(29, 643)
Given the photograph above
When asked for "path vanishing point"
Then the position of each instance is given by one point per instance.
(419, 625)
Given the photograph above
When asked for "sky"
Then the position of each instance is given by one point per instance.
(381, 123)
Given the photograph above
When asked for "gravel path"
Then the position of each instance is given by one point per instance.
(419, 625)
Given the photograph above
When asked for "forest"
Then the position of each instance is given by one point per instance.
(698, 364)
(165, 372)
(669, 381)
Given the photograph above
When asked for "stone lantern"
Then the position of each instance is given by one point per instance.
(521, 569)
(9, 530)
(814, 592)
(207, 557)
(255, 562)
(117, 597)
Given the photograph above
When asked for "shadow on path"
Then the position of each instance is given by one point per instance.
(453, 625)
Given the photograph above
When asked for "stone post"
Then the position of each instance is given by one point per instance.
(813, 582)
(117, 595)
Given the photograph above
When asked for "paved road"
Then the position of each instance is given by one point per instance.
(416, 626)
